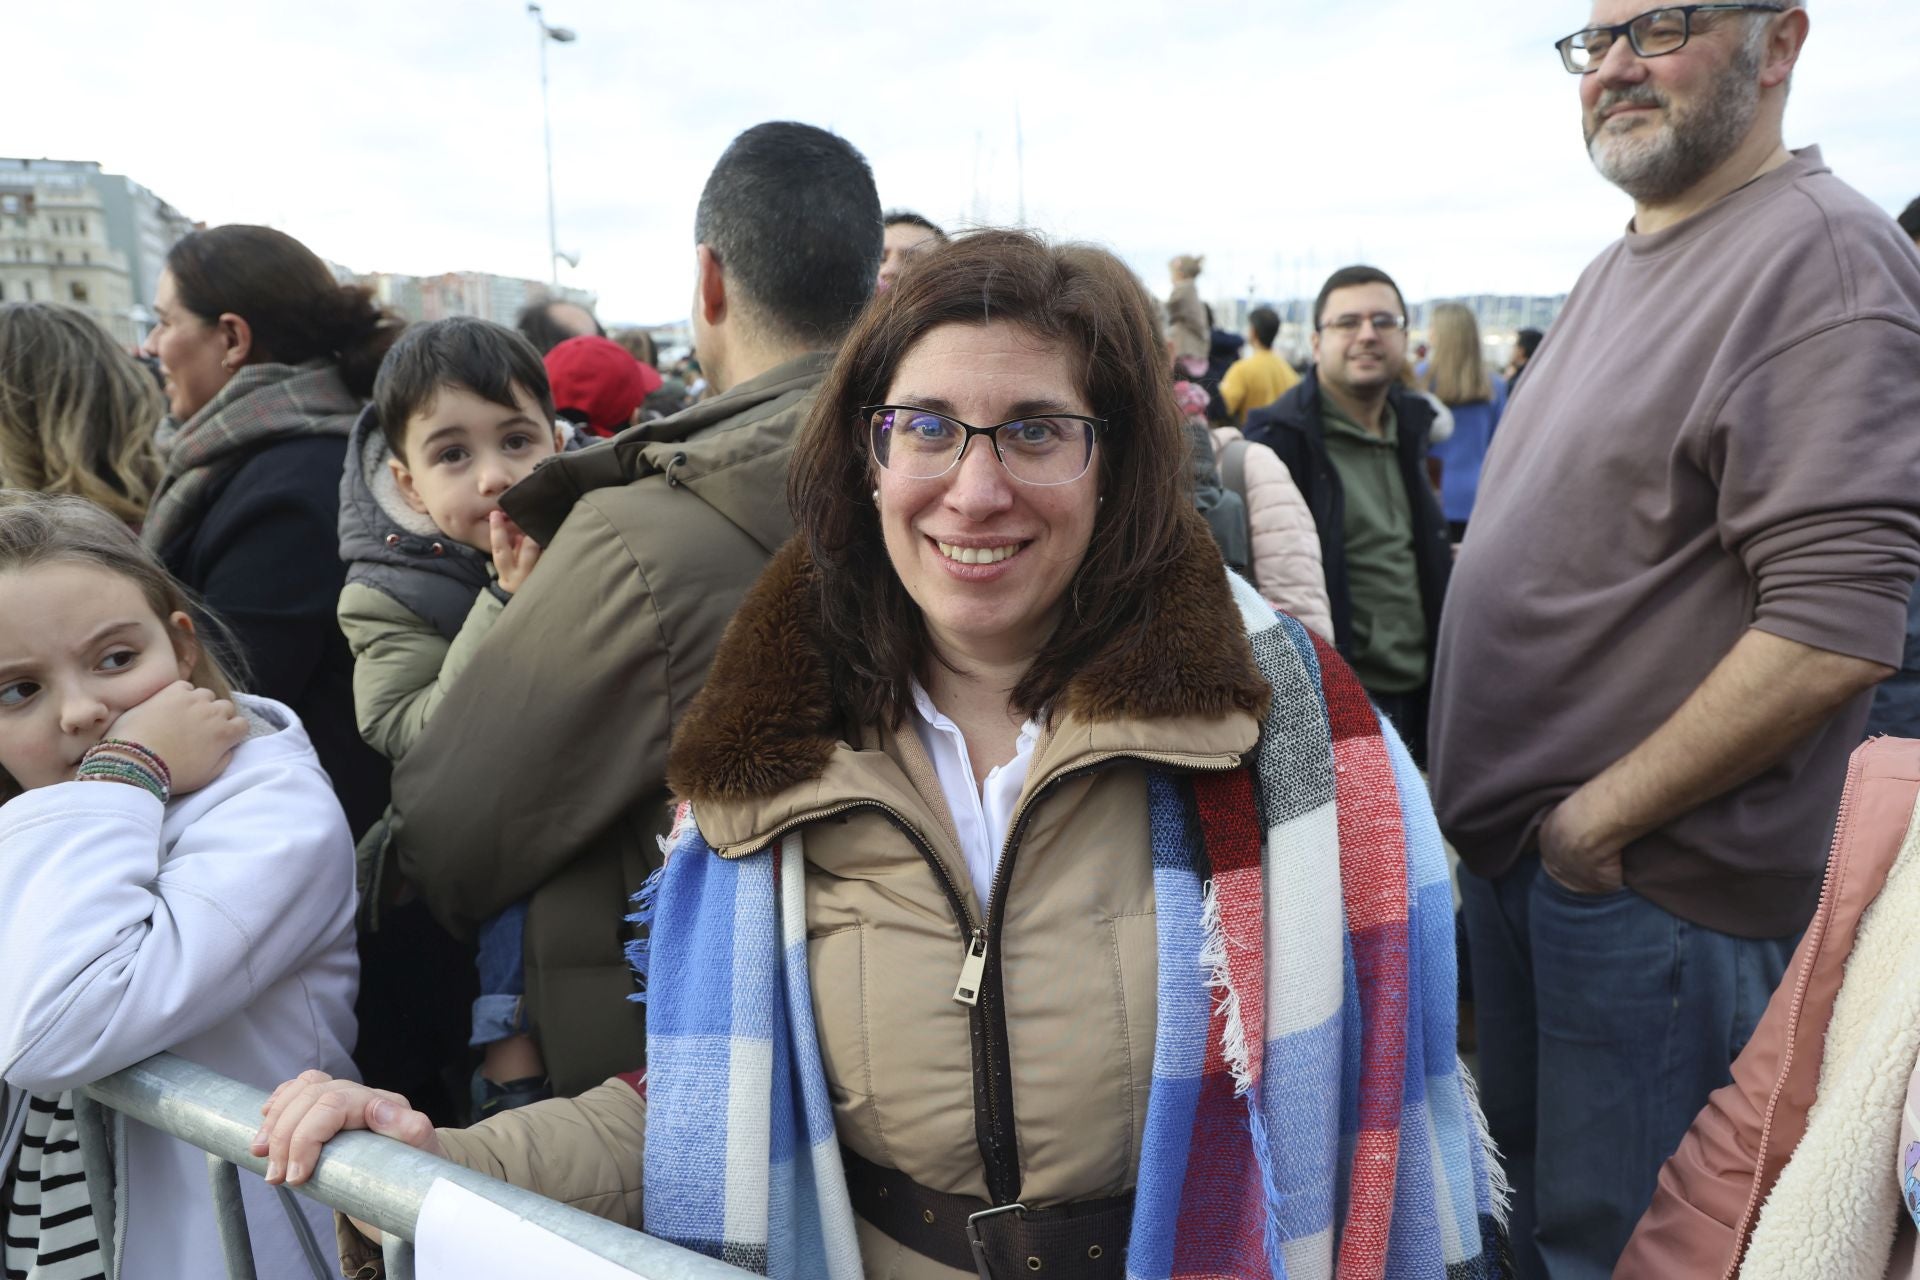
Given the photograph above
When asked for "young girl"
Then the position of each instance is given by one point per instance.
(175, 874)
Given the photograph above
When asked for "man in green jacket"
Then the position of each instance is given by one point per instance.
(543, 774)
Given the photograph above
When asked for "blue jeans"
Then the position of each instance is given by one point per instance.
(1604, 1023)
(499, 1011)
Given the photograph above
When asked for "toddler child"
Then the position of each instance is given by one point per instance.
(175, 874)
(461, 412)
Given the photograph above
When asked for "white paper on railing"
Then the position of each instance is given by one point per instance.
(463, 1236)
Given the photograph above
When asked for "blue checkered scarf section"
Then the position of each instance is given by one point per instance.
(743, 1164)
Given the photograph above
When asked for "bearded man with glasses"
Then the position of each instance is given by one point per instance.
(1355, 441)
(1689, 565)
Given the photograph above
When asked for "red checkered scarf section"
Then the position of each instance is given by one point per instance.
(260, 404)
(1321, 1126)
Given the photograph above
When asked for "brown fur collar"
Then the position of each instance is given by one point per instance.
(764, 721)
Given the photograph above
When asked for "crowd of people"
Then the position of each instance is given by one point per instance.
(958, 776)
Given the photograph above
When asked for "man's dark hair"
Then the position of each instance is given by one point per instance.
(1265, 323)
(543, 331)
(475, 355)
(792, 214)
(1528, 340)
(895, 217)
(1346, 278)
(1910, 220)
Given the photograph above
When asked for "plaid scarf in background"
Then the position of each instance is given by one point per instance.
(259, 404)
(1308, 1118)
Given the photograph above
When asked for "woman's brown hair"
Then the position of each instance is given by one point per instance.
(1078, 296)
(295, 308)
(38, 529)
(77, 414)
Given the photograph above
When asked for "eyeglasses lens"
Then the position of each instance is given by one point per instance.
(1383, 322)
(920, 445)
(1651, 34)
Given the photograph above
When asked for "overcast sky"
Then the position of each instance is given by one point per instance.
(1280, 138)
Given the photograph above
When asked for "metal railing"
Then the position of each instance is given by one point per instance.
(374, 1179)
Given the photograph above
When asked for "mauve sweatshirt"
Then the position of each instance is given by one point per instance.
(1721, 432)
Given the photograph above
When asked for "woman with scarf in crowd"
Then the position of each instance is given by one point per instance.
(267, 361)
(1044, 902)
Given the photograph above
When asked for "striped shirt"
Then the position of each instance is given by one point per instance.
(49, 1227)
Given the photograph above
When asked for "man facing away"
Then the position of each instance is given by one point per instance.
(1260, 377)
(1355, 441)
(543, 773)
(1690, 565)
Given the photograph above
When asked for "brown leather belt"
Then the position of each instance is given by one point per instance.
(1086, 1240)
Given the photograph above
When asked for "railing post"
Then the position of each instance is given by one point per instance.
(96, 1157)
(398, 1254)
(231, 1214)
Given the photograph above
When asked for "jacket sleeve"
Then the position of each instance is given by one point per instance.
(402, 667)
(274, 573)
(1286, 544)
(115, 948)
(588, 1152)
(557, 723)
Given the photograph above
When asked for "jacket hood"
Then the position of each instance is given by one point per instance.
(378, 527)
(765, 719)
(730, 452)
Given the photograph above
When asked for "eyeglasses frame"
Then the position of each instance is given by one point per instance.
(1564, 45)
(1098, 425)
(1367, 318)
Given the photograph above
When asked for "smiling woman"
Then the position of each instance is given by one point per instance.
(981, 783)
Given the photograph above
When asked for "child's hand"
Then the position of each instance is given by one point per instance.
(188, 728)
(514, 553)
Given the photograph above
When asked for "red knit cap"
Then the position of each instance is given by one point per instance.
(598, 379)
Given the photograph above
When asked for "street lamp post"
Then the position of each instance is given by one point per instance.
(563, 35)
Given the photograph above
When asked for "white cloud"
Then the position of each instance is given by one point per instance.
(1280, 139)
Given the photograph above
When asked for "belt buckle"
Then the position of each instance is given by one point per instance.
(978, 1245)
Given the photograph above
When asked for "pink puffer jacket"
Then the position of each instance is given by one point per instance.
(1711, 1192)
(1286, 546)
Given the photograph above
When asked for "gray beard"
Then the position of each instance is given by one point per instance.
(1655, 164)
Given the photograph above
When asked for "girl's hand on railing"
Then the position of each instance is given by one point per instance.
(305, 1112)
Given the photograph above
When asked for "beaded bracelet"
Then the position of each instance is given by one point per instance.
(141, 753)
(117, 760)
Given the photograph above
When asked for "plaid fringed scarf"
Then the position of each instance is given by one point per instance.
(260, 403)
(1309, 1117)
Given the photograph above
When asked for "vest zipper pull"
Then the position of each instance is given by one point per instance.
(975, 964)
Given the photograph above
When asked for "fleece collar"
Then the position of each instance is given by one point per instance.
(764, 724)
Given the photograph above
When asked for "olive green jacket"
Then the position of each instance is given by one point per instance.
(402, 665)
(542, 774)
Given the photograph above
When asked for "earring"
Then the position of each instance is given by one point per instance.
(876, 497)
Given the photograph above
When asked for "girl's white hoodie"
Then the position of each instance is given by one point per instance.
(218, 927)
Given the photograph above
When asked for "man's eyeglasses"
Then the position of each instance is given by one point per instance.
(1653, 33)
(919, 444)
(1383, 322)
